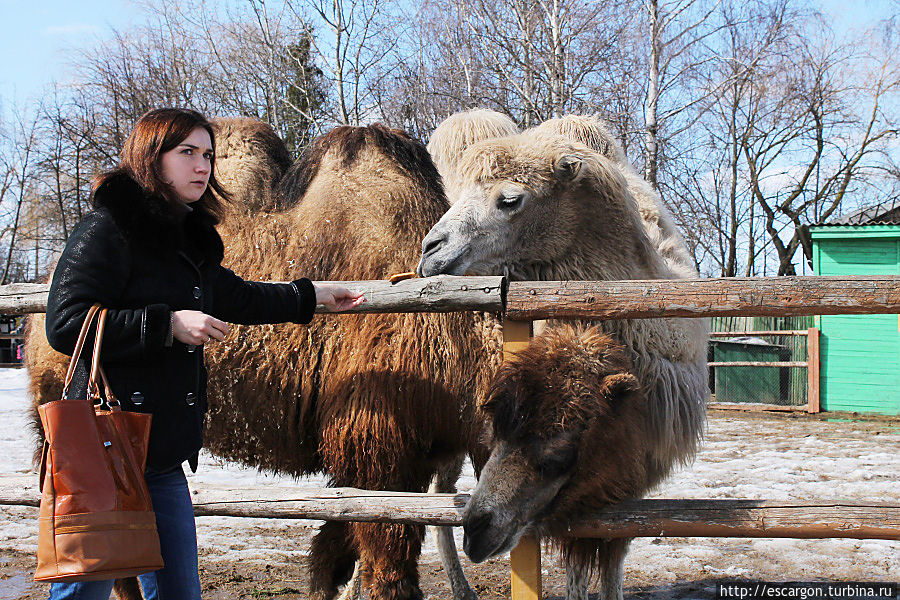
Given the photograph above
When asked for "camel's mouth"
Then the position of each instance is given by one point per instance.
(480, 549)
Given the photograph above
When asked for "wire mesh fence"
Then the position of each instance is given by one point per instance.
(773, 377)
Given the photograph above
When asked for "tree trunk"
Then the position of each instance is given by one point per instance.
(651, 139)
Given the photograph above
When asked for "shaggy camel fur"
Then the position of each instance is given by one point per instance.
(570, 435)
(376, 401)
(542, 207)
(658, 221)
(459, 131)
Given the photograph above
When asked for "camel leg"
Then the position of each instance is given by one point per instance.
(353, 589)
(331, 560)
(444, 482)
(612, 568)
(389, 554)
(127, 589)
(577, 577)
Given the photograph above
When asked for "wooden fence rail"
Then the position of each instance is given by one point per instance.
(755, 363)
(635, 518)
(744, 296)
(529, 300)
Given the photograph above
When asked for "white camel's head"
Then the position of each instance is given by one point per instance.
(531, 203)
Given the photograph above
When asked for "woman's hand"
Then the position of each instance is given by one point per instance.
(337, 297)
(194, 327)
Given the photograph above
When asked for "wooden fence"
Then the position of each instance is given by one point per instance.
(522, 302)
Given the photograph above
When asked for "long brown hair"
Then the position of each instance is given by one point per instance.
(155, 133)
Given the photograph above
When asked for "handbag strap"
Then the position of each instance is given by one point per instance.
(111, 400)
(79, 345)
(93, 388)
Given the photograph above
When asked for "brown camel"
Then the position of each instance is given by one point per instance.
(570, 435)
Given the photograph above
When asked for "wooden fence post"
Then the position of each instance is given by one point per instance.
(525, 558)
(812, 371)
(525, 569)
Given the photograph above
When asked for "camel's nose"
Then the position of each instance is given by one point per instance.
(474, 527)
(430, 245)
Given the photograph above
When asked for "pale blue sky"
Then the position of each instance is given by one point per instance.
(37, 36)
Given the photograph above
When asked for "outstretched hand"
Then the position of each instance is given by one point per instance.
(194, 327)
(337, 297)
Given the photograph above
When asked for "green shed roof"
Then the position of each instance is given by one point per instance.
(820, 232)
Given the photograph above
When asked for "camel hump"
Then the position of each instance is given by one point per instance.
(589, 130)
(457, 132)
(347, 143)
(250, 161)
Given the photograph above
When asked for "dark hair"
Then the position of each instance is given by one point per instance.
(154, 134)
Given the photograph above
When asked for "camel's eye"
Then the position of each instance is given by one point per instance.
(556, 456)
(510, 201)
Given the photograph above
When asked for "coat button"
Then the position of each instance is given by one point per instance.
(197, 292)
(191, 348)
(191, 398)
(137, 398)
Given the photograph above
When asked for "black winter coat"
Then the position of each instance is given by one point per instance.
(134, 255)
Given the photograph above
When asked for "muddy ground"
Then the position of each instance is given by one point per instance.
(744, 456)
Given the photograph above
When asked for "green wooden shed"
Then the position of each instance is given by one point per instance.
(859, 354)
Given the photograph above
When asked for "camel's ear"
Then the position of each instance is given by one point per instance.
(620, 385)
(568, 167)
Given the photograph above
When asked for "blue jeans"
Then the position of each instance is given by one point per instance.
(179, 578)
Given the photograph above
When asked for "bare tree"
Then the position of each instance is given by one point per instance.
(22, 141)
(752, 42)
(678, 56)
(262, 64)
(821, 136)
(531, 59)
(354, 54)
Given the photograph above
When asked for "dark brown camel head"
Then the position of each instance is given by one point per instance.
(568, 436)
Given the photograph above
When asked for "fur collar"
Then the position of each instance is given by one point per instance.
(151, 222)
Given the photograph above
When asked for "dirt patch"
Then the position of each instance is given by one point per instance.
(223, 580)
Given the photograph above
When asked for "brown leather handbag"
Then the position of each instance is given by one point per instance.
(96, 520)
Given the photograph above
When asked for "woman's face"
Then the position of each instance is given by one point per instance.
(187, 166)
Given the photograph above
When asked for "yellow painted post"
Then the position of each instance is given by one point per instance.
(516, 336)
(525, 569)
(525, 558)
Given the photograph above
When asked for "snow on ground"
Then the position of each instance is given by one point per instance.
(744, 456)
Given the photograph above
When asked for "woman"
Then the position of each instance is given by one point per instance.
(150, 253)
